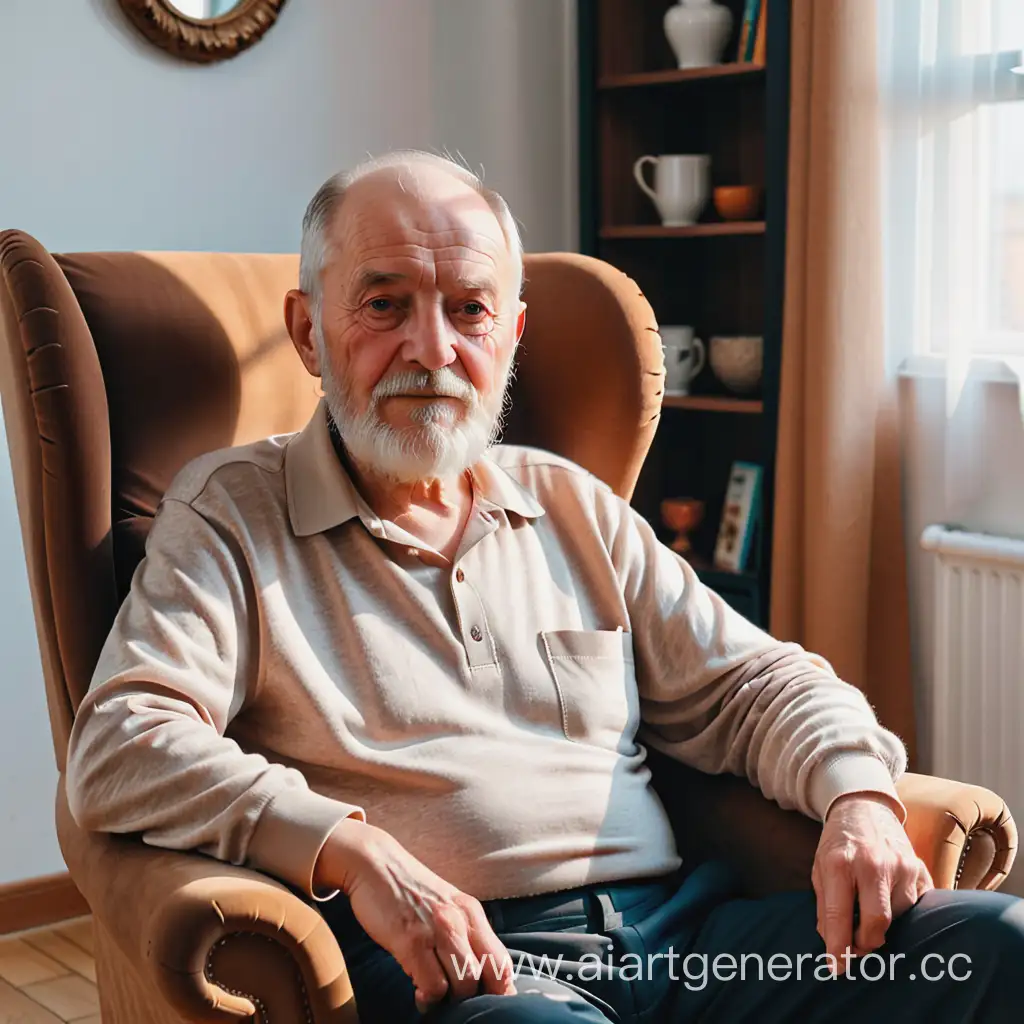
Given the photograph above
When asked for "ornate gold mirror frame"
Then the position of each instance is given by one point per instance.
(203, 40)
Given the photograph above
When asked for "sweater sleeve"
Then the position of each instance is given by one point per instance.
(721, 695)
(148, 752)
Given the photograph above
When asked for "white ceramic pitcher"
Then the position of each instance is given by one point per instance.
(681, 186)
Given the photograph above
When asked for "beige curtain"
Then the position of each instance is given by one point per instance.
(838, 569)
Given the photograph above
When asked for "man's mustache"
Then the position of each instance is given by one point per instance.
(442, 383)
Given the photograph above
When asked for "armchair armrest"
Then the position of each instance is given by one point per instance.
(217, 942)
(963, 833)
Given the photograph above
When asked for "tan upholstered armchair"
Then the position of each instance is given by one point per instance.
(117, 368)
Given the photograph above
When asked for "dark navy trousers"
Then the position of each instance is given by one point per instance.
(682, 949)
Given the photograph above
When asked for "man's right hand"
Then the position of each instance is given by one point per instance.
(433, 930)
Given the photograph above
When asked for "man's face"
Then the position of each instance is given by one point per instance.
(419, 322)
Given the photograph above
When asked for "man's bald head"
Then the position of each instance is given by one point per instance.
(419, 174)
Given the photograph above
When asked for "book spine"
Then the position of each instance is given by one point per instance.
(753, 518)
(747, 31)
(761, 36)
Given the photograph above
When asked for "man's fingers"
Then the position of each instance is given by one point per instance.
(419, 960)
(819, 898)
(906, 893)
(875, 906)
(925, 882)
(839, 894)
(459, 962)
(914, 882)
(497, 975)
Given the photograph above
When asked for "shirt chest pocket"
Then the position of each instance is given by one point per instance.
(595, 678)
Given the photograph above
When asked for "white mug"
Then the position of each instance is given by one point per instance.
(681, 186)
(684, 358)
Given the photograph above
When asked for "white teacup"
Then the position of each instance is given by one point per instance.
(681, 186)
(684, 358)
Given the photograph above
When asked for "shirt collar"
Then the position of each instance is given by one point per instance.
(321, 495)
(494, 487)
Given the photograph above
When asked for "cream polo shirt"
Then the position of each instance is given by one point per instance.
(285, 660)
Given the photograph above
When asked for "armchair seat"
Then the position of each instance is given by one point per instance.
(117, 368)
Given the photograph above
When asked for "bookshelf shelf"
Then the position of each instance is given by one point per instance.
(675, 76)
(709, 230)
(713, 403)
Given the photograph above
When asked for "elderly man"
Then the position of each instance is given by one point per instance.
(406, 671)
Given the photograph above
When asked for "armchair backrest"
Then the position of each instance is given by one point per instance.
(117, 368)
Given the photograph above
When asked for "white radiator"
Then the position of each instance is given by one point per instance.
(975, 699)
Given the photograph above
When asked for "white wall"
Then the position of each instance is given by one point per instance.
(108, 144)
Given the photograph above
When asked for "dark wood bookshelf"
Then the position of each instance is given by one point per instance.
(720, 277)
(712, 403)
(741, 589)
(707, 571)
(676, 75)
(705, 230)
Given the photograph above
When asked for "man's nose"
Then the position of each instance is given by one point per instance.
(430, 341)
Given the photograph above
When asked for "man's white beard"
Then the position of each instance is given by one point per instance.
(440, 447)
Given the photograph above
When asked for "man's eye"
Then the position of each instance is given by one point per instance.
(474, 309)
(380, 305)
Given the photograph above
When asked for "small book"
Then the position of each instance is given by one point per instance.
(739, 517)
(748, 30)
(761, 36)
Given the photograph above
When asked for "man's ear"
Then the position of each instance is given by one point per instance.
(521, 322)
(298, 318)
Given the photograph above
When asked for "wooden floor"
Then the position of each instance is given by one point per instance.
(48, 975)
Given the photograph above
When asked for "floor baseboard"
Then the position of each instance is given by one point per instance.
(39, 901)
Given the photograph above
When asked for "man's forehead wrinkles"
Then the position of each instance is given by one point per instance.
(373, 236)
(445, 254)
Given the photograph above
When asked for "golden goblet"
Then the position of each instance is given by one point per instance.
(683, 515)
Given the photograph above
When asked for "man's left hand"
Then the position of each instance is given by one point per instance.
(864, 859)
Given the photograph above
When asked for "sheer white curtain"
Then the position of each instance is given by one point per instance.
(953, 120)
(952, 123)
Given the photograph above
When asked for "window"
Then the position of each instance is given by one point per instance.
(953, 111)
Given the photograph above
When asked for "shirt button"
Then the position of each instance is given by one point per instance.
(459, 575)
(476, 634)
